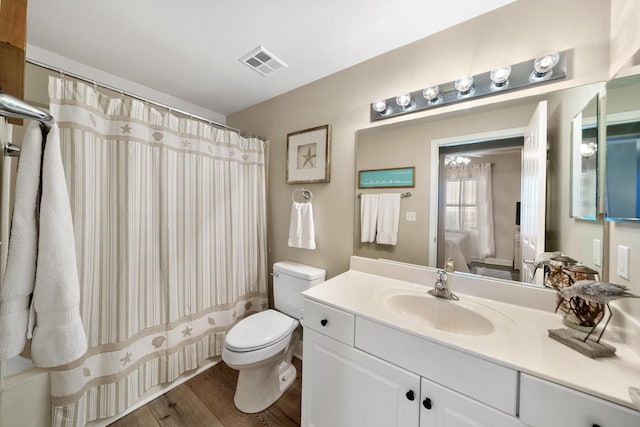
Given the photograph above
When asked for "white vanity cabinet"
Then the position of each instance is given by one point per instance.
(543, 403)
(345, 386)
(443, 407)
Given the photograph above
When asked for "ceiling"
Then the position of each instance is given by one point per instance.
(190, 49)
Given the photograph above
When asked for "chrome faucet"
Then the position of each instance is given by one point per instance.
(441, 287)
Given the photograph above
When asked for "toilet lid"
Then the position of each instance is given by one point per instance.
(259, 330)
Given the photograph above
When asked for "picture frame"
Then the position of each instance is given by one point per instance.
(309, 155)
(387, 178)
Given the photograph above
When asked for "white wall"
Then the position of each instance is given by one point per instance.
(514, 33)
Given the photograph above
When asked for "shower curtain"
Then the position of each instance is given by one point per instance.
(470, 200)
(169, 219)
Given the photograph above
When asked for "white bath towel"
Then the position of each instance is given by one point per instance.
(20, 275)
(368, 217)
(58, 336)
(388, 217)
(301, 229)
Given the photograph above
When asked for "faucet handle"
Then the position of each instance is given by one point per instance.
(442, 276)
(448, 265)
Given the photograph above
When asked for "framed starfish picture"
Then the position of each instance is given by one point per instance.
(308, 155)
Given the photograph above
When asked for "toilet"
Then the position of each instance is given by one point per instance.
(261, 345)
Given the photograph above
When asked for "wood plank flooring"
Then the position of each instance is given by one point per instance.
(207, 400)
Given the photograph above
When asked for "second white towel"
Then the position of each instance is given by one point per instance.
(301, 229)
(388, 218)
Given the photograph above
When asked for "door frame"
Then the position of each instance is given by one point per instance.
(436, 144)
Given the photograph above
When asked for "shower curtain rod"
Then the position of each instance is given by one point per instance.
(129, 94)
(13, 107)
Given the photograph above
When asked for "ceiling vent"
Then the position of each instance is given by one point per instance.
(263, 61)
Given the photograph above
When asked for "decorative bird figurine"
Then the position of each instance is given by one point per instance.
(598, 292)
(543, 259)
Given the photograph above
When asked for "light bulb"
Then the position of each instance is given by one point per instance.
(464, 85)
(380, 106)
(588, 149)
(543, 65)
(431, 93)
(500, 75)
(403, 100)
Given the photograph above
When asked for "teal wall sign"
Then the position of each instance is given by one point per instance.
(387, 178)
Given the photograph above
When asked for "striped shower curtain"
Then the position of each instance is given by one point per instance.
(170, 229)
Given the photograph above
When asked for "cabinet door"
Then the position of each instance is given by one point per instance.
(443, 407)
(345, 387)
(543, 403)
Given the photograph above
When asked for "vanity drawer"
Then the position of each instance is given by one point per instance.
(329, 321)
(487, 382)
(543, 403)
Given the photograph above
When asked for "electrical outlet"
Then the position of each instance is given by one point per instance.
(410, 216)
(597, 252)
(623, 261)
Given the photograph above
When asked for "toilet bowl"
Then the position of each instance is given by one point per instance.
(261, 345)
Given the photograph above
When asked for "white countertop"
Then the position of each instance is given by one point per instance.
(520, 341)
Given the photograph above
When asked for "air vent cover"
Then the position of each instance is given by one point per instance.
(263, 61)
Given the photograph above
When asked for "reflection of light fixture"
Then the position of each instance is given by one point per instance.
(507, 77)
(588, 149)
(543, 66)
(432, 94)
(500, 76)
(403, 100)
(464, 85)
(456, 161)
(380, 106)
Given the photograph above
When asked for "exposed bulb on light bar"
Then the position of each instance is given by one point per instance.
(464, 85)
(543, 65)
(500, 76)
(379, 106)
(588, 149)
(432, 94)
(403, 100)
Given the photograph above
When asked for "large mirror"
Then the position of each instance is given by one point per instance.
(584, 162)
(623, 149)
(491, 135)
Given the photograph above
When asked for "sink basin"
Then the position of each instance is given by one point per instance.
(458, 317)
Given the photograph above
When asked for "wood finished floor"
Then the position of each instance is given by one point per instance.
(207, 400)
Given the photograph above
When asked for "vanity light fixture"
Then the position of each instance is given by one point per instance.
(464, 86)
(500, 77)
(541, 70)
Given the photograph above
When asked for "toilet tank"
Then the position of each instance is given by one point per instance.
(290, 279)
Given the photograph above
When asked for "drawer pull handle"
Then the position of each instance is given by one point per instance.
(410, 395)
(426, 403)
(324, 322)
(596, 425)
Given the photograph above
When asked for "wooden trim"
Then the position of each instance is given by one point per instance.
(13, 41)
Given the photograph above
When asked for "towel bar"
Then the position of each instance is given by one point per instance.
(402, 195)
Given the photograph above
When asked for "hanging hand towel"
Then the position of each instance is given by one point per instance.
(368, 217)
(58, 336)
(388, 217)
(301, 232)
(20, 275)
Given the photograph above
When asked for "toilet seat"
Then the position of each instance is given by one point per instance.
(259, 330)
